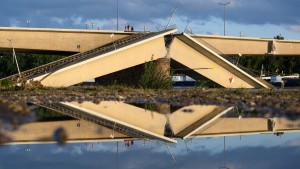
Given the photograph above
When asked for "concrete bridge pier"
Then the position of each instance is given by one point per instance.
(162, 65)
(131, 76)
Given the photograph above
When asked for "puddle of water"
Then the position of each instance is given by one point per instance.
(123, 135)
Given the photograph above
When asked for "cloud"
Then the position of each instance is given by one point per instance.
(58, 150)
(79, 14)
(295, 28)
(137, 156)
(58, 20)
(292, 143)
(239, 11)
(14, 22)
(77, 20)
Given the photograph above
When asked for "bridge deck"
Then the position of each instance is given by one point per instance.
(121, 54)
(56, 40)
(204, 61)
(251, 46)
(135, 50)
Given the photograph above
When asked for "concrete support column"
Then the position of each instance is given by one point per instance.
(131, 76)
(163, 65)
(272, 47)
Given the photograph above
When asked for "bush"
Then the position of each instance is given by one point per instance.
(6, 84)
(155, 79)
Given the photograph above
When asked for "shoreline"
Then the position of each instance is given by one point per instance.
(277, 101)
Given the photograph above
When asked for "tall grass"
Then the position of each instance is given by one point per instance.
(6, 85)
(155, 79)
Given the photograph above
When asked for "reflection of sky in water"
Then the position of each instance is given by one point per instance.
(252, 151)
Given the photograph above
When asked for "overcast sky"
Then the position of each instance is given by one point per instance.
(258, 18)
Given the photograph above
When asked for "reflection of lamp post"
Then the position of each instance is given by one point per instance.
(224, 157)
(27, 148)
(224, 4)
(117, 155)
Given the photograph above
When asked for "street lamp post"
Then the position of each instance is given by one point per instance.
(117, 14)
(224, 4)
(14, 55)
(27, 23)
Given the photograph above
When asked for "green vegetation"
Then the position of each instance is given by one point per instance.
(279, 37)
(201, 83)
(44, 114)
(26, 61)
(155, 79)
(270, 64)
(6, 85)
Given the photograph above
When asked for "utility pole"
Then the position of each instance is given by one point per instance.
(117, 14)
(224, 4)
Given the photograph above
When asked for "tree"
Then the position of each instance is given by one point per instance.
(26, 61)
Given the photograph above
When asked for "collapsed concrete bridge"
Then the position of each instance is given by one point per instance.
(116, 51)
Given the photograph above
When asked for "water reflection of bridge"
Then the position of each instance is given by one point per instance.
(116, 121)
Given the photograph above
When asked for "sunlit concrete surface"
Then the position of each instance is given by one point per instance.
(188, 120)
(119, 59)
(248, 125)
(202, 60)
(122, 117)
(81, 40)
(56, 40)
(76, 130)
(198, 56)
(135, 118)
(250, 46)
